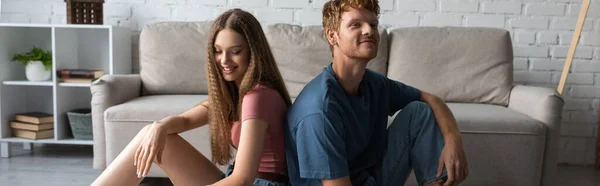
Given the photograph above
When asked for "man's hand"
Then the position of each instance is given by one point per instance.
(454, 160)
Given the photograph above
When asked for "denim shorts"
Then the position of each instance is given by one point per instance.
(257, 181)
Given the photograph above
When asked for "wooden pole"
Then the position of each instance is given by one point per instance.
(598, 141)
(574, 41)
(563, 78)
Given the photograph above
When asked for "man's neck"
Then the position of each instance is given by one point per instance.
(349, 72)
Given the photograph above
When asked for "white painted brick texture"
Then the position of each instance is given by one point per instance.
(545, 9)
(496, 21)
(502, 7)
(450, 6)
(207, 2)
(441, 19)
(290, 3)
(399, 19)
(541, 32)
(421, 5)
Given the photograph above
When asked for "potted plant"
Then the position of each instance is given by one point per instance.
(37, 62)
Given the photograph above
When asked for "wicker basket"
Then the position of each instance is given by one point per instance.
(85, 11)
(81, 123)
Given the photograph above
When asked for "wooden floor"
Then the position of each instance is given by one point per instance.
(67, 165)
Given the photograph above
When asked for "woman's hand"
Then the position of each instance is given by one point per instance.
(150, 149)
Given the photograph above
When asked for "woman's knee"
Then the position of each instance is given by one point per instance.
(143, 131)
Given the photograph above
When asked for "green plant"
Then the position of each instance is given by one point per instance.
(36, 54)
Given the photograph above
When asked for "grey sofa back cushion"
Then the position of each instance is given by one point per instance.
(458, 64)
(172, 58)
(302, 52)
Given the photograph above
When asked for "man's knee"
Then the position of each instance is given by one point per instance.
(416, 111)
(418, 106)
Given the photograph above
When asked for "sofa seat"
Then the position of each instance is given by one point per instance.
(504, 146)
(125, 120)
(151, 108)
(493, 119)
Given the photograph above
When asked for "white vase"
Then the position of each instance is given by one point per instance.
(35, 71)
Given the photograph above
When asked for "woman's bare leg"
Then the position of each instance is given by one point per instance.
(185, 165)
(181, 161)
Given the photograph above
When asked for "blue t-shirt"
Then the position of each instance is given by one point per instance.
(331, 134)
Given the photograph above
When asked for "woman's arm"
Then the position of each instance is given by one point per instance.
(247, 160)
(191, 119)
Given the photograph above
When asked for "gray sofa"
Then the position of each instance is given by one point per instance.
(510, 132)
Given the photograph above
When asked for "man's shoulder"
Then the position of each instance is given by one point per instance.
(374, 76)
(315, 97)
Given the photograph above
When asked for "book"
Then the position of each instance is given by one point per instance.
(33, 134)
(35, 117)
(77, 80)
(79, 73)
(31, 127)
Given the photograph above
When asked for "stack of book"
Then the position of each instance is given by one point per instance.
(33, 125)
(79, 75)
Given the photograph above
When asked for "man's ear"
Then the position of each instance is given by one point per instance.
(331, 36)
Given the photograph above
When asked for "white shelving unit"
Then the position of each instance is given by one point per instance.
(102, 47)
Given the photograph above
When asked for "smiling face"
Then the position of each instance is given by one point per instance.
(232, 55)
(358, 35)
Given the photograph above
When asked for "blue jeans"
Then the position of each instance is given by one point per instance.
(414, 142)
(257, 181)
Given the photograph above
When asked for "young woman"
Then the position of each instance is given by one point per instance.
(246, 108)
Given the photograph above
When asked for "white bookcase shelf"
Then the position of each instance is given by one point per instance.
(74, 84)
(102, 47)
(29, 83)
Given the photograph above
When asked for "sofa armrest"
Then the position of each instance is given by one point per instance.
(108, 91)
(546, 105)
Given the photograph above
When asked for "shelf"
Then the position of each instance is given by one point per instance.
(102, 47)
(48, 141)
(74, 84)
(16, 139)
(54, 25)
(29, 83)
(75, 142)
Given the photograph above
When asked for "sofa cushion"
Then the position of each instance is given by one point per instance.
(152, 108)
(494, 119)
(172, 57)
(458, 64)
(302, 52)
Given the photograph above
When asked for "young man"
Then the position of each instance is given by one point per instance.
(337, 130)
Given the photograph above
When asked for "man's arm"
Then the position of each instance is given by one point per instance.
(343, 181)
(453, 156)
(443, 116)
(321, 149)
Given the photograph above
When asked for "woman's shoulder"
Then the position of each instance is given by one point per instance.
(262, 102)
(263, 93)
(261, 89)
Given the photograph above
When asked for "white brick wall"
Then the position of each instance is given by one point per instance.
(399, 19)
(496, 21)
(441, 19)
(532, 23)
(545, 9)
(448, 6)
(416, 5)
(520, 64)
(547, 38)
(541, 31)
(501, 7)
(525, 37)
